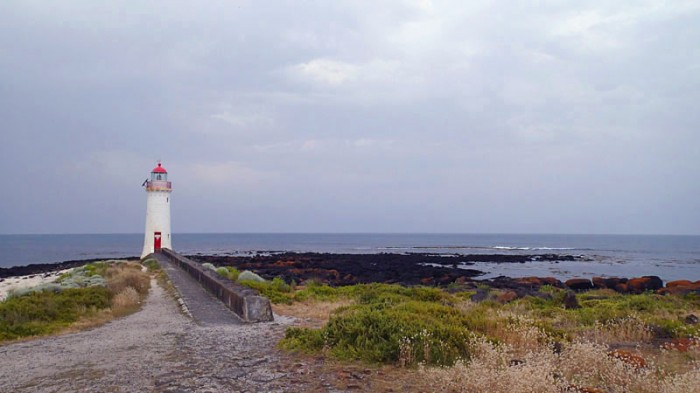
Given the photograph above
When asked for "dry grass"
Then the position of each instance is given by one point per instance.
(627, 329)
(129, 285)
(579, 365)
(310, 313)
(124, 275)
(125, 301)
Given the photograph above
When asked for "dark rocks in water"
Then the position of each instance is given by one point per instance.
(348, 269)
(536, 282)
(679, 283)
(645, 283)
(570, 301)
(607, 282)
(680, 288)
(579, 284)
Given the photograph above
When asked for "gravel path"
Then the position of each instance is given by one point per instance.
(156, 349)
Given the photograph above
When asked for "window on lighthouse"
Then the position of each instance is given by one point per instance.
(159, 176)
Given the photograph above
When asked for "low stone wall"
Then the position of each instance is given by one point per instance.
(246, 302)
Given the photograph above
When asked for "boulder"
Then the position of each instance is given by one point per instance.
(677, 290)
(579, 284)
(679, 283)
(691, 319)
(621, 287)
(552, 281)
(599, 283)
(646, 283)
(570, 301)
(682, 344)
(479, 296)
(607, 282)
(628, 357)
(534, 282)
(507, 296)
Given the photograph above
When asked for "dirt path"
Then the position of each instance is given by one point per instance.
(156, 349)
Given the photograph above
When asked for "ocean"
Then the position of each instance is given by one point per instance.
(669, 257)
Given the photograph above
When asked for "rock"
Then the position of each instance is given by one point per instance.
(545, 296)
(570, 301)
(599, 283)
(557, 347)
(680, 288)
(579, 284)
(628, 357)
(607, 282)
(621, 288)
(646, 283)
(691, 319)
(679, 283)
(552, 281)
(461, 280)
(516, 362)
(677, 291)
(479, 296)
(682, 344)
(507, 297)
(536, 282)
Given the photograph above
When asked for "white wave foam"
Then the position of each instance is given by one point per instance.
(532, 248)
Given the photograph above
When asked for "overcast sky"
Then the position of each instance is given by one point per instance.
(352, 116)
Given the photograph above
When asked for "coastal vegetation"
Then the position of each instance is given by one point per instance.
(85, 296)
(551, 341)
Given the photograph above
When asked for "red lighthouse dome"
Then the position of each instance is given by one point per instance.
(159, 169)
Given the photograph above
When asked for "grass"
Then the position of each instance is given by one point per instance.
(529, 344)
(86, 296)
(46, 312)
(408, 326)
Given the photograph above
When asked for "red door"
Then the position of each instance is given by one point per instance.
(156, 242)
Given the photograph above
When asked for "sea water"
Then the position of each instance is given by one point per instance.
(670, 257)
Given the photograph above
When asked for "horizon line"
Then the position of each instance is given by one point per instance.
(361, 233)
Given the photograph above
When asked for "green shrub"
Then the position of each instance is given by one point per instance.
(303, 340)
(94, 269)
(247, 275)
(209, 266)
(387, 330)
(222, 271)
(151, 264)
(45, 312)
(276, 290)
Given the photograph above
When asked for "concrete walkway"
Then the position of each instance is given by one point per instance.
(204, 308)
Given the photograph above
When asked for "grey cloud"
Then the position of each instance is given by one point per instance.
(352, 116)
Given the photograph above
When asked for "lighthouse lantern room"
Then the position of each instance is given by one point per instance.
(158, 190)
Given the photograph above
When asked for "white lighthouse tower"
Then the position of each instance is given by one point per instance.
(158, 190)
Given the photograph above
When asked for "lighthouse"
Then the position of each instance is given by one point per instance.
(158, 190)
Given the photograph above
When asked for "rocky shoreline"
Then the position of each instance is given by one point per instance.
(438, 270)
(392, 268)
(406, 269)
